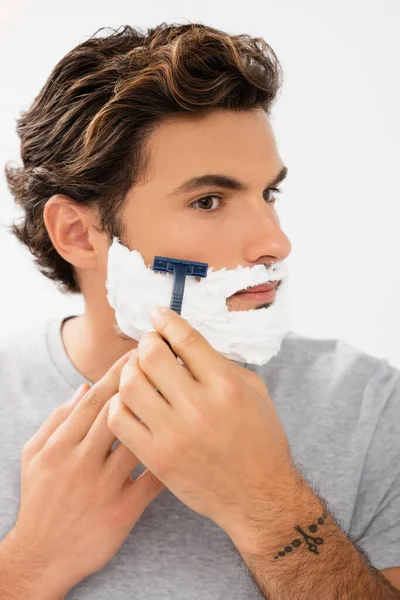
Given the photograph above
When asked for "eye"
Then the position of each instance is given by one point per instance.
(275, 191)
(206, 204)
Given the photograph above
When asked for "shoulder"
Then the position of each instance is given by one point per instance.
(333, 376)
(24, 357)
(22, 343)
(333, 359)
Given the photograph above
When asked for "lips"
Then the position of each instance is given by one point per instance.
(265, 287)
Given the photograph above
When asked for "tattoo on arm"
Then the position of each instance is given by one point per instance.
(311, 542)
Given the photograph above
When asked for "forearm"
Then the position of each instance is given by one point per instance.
(22, 577)
(303, 554)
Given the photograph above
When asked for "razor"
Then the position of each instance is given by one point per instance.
(181, 269)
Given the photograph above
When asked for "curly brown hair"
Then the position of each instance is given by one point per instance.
(84, 135)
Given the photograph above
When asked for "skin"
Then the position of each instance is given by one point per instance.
(211, 434)
(246, 230)
(69, 527)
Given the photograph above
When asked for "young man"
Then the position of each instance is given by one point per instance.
(121, 123)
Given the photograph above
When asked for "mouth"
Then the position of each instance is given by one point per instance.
(259, 293)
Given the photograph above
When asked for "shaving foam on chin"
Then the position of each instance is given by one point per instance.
(248, 336)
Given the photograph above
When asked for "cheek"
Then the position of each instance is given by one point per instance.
(183, 234)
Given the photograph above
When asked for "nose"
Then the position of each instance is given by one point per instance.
(263, 236)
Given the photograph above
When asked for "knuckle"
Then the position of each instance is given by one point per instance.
(189, 339)
(126, 457)
(114, 419)
(51, 450)
(226, 384)
(113, 374)
(126, 385)
(113, 371)
(105, 410)
(250, 377)
(255, 381)
(148, 346)
(61, 411)
(92, 399)
(27, 449)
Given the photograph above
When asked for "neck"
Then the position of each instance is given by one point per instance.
(92, 342)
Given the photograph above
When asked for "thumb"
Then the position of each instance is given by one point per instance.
(143, 491)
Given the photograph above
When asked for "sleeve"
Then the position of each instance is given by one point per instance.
(375, 525)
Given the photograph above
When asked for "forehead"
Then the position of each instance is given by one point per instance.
(222, 140)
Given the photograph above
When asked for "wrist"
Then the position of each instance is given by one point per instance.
(268, 524)
(25, 575)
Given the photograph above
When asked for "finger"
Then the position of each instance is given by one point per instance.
(56, 419)
(140, 492)
(79, 422)
(138, 394)
(204, 362)
(98, 441)
(157, 363)
(134, 435)
(120, 464)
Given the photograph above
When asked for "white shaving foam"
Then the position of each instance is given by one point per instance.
(248, 336)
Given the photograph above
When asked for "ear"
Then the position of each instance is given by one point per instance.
(70, 227)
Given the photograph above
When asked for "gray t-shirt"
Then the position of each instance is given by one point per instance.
(340, 409)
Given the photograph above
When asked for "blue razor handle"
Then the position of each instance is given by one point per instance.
(180, 268)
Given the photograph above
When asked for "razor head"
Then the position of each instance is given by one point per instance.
(180, 269)
(168, 265)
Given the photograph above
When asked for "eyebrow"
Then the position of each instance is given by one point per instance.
(224, 181)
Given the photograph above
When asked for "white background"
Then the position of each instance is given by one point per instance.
(338, 130)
